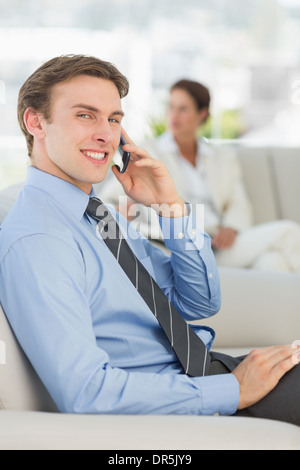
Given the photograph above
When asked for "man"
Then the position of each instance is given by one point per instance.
(86, 329)
(211, 174)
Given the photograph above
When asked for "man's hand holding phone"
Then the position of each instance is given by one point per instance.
(148, 182)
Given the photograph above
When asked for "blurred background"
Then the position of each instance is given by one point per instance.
(246, 52)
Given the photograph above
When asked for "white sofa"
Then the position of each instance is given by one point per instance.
(267, 304)
(258, 309)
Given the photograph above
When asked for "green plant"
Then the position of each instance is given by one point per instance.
(230, 127)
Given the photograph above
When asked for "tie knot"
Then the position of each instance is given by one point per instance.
(107, 225)
(97, 209)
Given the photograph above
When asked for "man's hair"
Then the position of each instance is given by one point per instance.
(36, 91)
(196, 90)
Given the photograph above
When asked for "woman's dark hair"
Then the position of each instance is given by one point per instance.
(198, 92)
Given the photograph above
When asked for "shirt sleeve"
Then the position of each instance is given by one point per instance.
(44, 297)
(190, 276)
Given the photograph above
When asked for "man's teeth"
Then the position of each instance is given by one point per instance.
(96, 155)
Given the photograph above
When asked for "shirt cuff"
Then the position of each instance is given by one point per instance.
(220, 394)
(185, 232)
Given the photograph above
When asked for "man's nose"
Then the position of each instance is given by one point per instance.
(103, 133)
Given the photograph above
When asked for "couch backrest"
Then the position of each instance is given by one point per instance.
(271, 178)
(286, 168)
(255, 163)
(20, 387)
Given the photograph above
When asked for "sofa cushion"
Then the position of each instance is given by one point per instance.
(20, 387)
(52, 431)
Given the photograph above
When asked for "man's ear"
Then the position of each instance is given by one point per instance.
(33, 122)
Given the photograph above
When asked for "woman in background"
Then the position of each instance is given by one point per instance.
(211, 175)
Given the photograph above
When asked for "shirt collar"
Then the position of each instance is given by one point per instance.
(72, 199)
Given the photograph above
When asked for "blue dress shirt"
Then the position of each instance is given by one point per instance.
(87, 332)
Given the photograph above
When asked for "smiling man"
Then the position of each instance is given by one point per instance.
(86, 311)
(81, 122)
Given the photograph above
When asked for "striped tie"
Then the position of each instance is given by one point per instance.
(188, 347)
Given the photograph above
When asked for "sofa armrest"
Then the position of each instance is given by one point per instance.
(258, 309)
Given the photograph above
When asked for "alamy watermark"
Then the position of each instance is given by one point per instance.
(2, 92)
(144, 220)
(2, 353)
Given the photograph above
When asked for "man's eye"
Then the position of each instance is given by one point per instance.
(84, 115)
(114, 120)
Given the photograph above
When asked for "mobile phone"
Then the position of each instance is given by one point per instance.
(125, 156)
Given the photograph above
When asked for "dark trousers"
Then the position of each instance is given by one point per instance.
(282, 403)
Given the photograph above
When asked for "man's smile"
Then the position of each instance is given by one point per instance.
(94, 155)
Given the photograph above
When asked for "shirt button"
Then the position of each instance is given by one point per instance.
(193, 231)
(210, 275)
(180, 235)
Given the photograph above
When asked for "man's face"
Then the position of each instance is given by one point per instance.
(83, 132)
